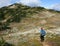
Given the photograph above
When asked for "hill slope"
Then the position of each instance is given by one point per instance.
(21, 13)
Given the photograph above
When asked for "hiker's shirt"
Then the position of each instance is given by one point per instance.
(42, 32)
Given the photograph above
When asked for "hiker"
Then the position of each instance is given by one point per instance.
(42, 34)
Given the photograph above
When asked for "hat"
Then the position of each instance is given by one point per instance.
(41, 28)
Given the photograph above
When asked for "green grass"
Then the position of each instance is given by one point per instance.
(3, 43)
(53, 40)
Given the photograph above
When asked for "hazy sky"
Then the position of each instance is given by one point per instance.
(55, 4)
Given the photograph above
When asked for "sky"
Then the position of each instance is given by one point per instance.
(50, 4)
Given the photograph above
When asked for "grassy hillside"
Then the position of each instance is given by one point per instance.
(18, 12)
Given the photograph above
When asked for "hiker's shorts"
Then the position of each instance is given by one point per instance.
(42, 38)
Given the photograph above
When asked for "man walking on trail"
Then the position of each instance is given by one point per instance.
(42, 34)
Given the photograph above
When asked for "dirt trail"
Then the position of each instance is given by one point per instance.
(45, 44)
